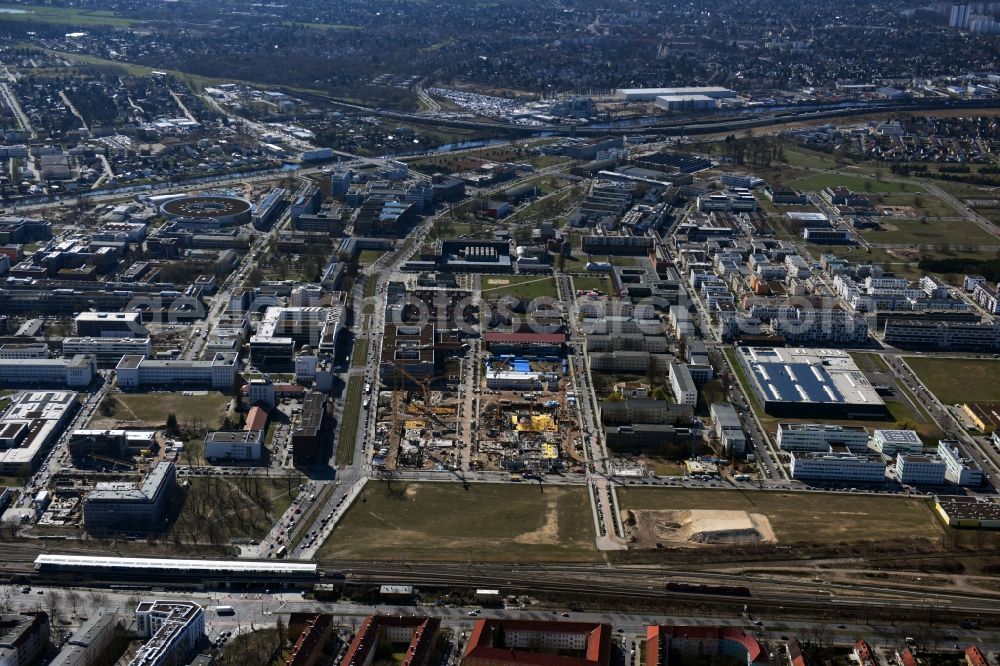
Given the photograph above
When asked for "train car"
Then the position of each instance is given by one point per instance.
(701, 588)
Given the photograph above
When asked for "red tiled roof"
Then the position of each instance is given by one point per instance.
(421, 642)
(550, 338)
(974, 657)
(598, 643)
(756, 654)
(908, 658)
(256, 418)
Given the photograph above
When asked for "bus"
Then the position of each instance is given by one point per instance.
(281, 552)
(225, 610)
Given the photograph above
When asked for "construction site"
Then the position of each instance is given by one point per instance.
(527, 417)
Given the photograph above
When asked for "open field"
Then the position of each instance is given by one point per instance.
(955, 380)
(925, 204)
(930, 232)
(219, 509)
(857, 184)
(601, 283)
(444, 521)
(802, 517)
(348, 436)
(525, 287)
(208, 407)
(69, 16)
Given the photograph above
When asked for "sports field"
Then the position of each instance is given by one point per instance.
(819, 518)
(445, 521)
(956, 380)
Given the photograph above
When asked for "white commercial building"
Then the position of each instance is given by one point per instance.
(107, 351)
(75, 372)
(917, 469)
(891, 442)
(961, 470)
(835, 466)
(32, 422)
(650, 94)
(820, 437)
(508, 380)
(685, 392)
(175, 631)
(234, 445)
(136, 371)
(32, 350)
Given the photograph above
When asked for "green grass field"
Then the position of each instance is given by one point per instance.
(601, 283)
(359, 355)
(369, 257)
(69, 16)
(208, 407)
(957, 380)
(858, 184)
(525, 287)
(930, 232)
(803, 517)
(926, 204)
(348, 435)
(227, 508)
(487, 522)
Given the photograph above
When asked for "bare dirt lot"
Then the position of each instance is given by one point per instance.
(697, 527)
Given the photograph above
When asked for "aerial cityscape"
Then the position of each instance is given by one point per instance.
(507, 333)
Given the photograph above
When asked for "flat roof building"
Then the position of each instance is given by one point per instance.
(75, 372)
(136, 371)
(891, 442)
(175, 631)
(650, 94)
(107, 351)
(821, 437)
(110, 324)
(822, 383)
(974, 512)
(837, 466)
(29, 426)
(245, 445)
(127, 506)
(919, 469)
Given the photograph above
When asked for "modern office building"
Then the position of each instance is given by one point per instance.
(685, 391)
(920, 469)
(175, 631)
(114, 506)
(837, 466)
(75, 372)
(822, 383)
(33, 350)
(29, 426)
(110, 324)
(961, 470)
(107, 351)
(134, 372)
(728, 428)
(821, 437)
(245, 445)
(944, 335)
(93, 446)
(891, 442)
